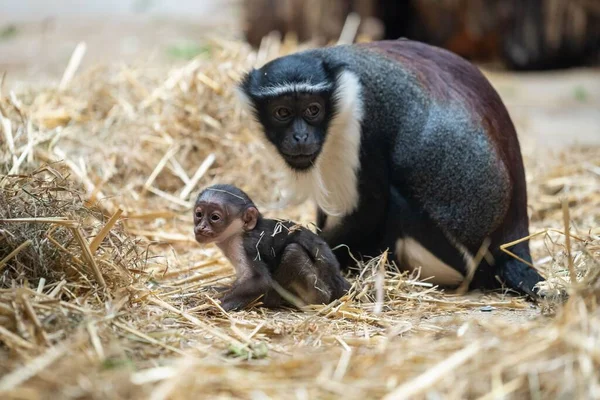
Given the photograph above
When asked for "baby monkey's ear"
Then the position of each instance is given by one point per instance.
(250, 218)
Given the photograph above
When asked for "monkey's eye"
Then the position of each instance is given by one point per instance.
(199, 214)
(282, 113)
(215, 218)
(312, 111)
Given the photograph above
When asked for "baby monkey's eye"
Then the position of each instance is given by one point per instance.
(215, 218)
(198, 214)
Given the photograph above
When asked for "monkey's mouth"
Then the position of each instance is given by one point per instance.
(204, 237)
(300, 161)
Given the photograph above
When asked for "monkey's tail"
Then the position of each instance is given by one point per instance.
(516, 274)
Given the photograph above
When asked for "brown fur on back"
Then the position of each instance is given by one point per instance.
(450, 78)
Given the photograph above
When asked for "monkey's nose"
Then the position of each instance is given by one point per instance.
(300, 137)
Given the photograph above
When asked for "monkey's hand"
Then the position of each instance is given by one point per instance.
(245, 290)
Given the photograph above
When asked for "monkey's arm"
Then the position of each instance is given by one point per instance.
(361, 231)
(247, 287)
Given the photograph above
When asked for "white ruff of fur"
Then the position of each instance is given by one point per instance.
(332, 182)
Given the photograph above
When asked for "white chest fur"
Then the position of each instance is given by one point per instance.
(332, 182)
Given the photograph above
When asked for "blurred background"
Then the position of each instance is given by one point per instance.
(522, 34)
(547, 52)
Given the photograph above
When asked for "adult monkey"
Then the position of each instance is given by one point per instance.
(403, 146)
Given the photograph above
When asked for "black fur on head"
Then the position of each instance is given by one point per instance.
(228, 194)
(293, 98)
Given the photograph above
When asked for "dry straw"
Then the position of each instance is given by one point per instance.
(104, 294)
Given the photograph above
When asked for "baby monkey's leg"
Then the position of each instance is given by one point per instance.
(302, 276)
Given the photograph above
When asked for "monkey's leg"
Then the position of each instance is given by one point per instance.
(416, 242)
(246, 289)
(301, 276)
(516, 274)
(506, 271)
(359, 233)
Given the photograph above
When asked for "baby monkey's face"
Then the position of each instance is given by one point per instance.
(221, 215)
(210, 222)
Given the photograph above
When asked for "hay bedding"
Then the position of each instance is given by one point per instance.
(105, 295)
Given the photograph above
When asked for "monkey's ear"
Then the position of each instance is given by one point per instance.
(250, 218)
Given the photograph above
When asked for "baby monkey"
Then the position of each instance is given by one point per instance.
(271, 258)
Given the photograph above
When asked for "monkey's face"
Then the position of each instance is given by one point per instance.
(222, 212)
(293, 99)
(210, 222)
(297, 124)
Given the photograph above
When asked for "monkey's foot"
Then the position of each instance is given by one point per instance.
(522, 278)
(230, 303)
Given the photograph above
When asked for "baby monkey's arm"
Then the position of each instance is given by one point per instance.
(247, 287)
